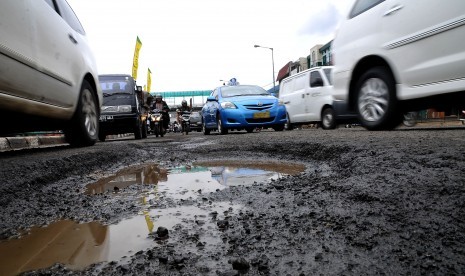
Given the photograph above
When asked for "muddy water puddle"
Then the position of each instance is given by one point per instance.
(191, 180)
(80, 245)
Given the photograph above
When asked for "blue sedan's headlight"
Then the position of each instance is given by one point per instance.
(280, 102)
(228, 105)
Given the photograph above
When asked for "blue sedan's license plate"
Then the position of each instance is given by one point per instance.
(261, 115)
(104, 118)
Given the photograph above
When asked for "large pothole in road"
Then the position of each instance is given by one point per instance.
(80, 245)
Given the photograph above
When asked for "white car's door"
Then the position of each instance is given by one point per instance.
(425, 39)
(59, 54)
(317, 96)
(17, 55)
(294, 98)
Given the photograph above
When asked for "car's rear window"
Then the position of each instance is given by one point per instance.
(244, 90)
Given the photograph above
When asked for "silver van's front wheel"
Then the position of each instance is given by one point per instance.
(376, 100)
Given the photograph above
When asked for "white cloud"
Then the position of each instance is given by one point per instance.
(191, 45)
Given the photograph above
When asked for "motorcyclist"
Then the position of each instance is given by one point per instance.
(179, 111)
(161, 105)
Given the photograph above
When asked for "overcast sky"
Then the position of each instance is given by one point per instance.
(193, 44)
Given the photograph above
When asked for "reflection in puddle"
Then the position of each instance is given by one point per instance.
(79, 245)
(146, 174)
(230, 173)
(186, 181)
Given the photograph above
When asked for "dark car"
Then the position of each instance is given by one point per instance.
(196, 121)
(123, 108)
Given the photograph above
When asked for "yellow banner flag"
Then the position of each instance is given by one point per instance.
(149, 79)
(135, 61)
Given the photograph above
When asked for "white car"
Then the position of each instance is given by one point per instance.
(396, 56)
(307, 97)
(48, 75)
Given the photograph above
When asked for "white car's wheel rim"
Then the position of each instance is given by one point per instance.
(89, 112)
(327, 119)
(373, 100)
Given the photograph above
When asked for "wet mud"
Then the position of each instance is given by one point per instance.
(346, 202)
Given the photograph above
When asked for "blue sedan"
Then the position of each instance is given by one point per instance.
(242, 107)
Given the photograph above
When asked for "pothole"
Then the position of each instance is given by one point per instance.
(80, 245)
(186, 181)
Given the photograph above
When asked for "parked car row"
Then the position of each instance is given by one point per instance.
(391, 57)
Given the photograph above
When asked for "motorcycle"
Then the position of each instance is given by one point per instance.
(185, 122)
(155, 123)
(175, 127)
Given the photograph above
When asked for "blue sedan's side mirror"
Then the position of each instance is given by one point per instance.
(211, 99)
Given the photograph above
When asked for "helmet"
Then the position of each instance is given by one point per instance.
(184, 102)
(158, 97)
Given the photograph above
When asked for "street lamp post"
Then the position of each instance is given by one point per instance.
(272, 61)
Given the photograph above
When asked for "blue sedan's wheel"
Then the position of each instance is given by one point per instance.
(221, 129)
(206, 131)
(279, 128)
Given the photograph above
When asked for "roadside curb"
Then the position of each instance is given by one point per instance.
(17, 143)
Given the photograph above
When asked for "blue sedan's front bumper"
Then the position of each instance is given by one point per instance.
(241, 118)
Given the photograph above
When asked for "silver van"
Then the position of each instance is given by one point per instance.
(307, 96)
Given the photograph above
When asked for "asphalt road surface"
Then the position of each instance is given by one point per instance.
(364, 203)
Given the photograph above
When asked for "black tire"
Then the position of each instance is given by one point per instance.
(156, 129)
(102, 136)
(279, 128)
(376, 100)
(221, 129)
(138, 129)
(288, 125)
(205, 130)
(144, 129)
(161, 129)
(84, 126)
(249, 129)
(328, 120)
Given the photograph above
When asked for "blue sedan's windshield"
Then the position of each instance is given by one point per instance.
(242, 90)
